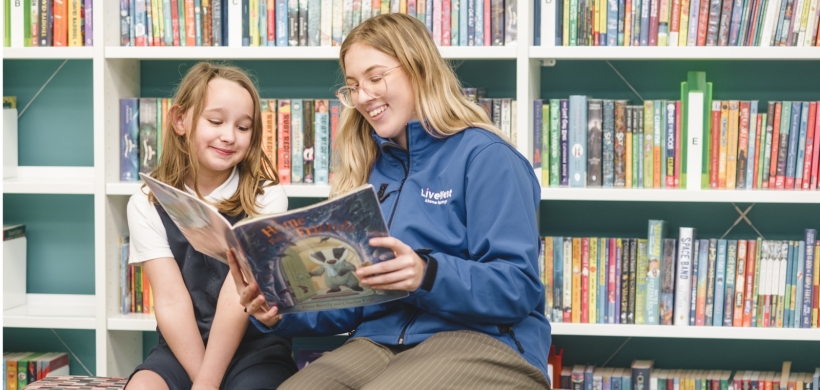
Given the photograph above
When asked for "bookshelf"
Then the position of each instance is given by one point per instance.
(116, 74)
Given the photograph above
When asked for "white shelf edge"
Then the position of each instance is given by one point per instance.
(673, 53)
(132, 322)
(59, 311)
(286, 53)
(678, 195)
(697, 332)
(45, 53)
(293, 191)
(50, 180)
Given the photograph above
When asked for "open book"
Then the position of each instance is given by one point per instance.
(303, 259)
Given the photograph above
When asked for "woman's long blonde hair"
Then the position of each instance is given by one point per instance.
(179, 160)
(439, 103)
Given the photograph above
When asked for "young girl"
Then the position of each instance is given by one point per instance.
(212, 150)
(460, 203)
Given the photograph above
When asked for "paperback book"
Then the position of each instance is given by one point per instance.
(303, 259)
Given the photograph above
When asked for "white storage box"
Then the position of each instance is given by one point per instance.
(14, 266)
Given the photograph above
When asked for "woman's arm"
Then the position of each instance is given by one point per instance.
(175, 313)
(227, 330)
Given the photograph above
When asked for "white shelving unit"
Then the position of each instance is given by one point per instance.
(116, 74)
(59, 311)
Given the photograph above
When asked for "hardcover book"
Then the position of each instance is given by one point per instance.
(303, 259)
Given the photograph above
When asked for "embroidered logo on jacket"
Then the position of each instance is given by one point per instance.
(436, 197)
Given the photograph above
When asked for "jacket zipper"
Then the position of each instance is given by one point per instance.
(407, 325)
(406, 173)
(509, 329)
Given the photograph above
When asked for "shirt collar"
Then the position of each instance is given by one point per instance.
(224, 191)
(417, 138)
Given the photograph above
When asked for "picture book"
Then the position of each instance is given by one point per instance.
(303, 259)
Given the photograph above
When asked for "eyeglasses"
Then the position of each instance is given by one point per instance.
(374, 86)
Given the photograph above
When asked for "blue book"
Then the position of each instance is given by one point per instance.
(455, 23)
(558, 278)
(734, 29)
(577, 141)
(750, 166)
(559, 19)
(731, 274)
(297, 141)
(603, 277)
(645, 23)
(428, 15)
(537, 128)
(321, 151)
(168, 29)
(619, 254)
(129, 139)
(806, 297)
(198, 19)
(621, 12)
(224, 21)
(282, 23)
(263, 22)
(698, 250)
(612, 23)
(720, 282)
(779, 30)
(799, 277)
(794, 133)
(246, 24)
(479, 23)
(801, 147)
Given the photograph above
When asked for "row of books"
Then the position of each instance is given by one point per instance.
(47, 23)
(307, 22)
(23, 368)
(298, 134)
(642, 375)
(685, 282)
(609, 143)
(136, 293)
(677, 23)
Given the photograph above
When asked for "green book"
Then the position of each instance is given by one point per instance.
(7, 23)
(653, 259)
(648, 143)
(696, 81)
(640, 282)
(27, 22)
(181, 17)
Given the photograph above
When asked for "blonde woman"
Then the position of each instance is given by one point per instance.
(460, 203)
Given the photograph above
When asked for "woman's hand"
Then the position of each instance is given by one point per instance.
(251, 297)
(405, 272)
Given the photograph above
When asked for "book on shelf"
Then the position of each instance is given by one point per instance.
(48, 23)
(303, 259)
(24, 368)
(14, 265)
(10, 147)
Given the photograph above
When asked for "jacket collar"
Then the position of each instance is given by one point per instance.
(417, 138)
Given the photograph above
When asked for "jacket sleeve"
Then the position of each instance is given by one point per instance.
(501, 284)
(308, 324)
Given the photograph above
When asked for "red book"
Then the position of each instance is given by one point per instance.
(175, 22)
(748, 292)
(612, 278)
(742, 158)
(775, 143)
(585, 280)
(815, 152)
(190, 24)
(703, 21)
(487, 17)
(809, 146)
(767, 304)
(757, 155)
(714, 178)
(677, 142)
(675, 21)
(60, 24)
(445, 22)
(653, 23)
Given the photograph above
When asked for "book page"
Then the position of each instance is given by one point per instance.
(206, 230)
(305, 259)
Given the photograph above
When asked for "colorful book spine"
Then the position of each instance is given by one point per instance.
(284, 141)
(807, 298)
(729, 279)
(683, 276)
(608, 152)
(652, 271)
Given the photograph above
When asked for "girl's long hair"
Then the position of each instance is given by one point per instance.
(439, 103)
(179, 159)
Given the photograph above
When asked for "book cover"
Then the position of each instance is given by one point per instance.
(650, 268)
(577, 140)
(129, 139)
(693, 280)
(594, 143)
(148, 134)
(720, 282)
(730, 274)
(740, 283)
(303, 259)
(667, 282)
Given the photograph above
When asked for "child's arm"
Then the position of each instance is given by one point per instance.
(227, 330)
(175, 313)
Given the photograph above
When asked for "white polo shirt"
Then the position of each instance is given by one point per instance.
(149, 240)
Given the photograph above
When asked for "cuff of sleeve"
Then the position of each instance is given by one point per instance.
(431, 269)
(264, 328)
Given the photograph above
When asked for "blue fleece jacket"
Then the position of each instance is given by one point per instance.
(467, 204)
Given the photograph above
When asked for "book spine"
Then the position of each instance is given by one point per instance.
(129, 139)
(613, 283)
(809, 152)
(752, 147)
(60, 24)
(731, 139)
(585, 279)
(683, 282)
(743, 145)
(297, 145)
(148, 134)
(713, 26)
(567, 299)
(734, 29)
(749, 292)
(628, 146)
(303, 17)
(625, 301)
(815, 158)
(577, 140)
(652, 271)
(693, 293)
(806, 297)
(667, 290)
(321, 149)
(619, 147)
(565, 119)
(284, 141)
(724, 23)
(729, 278)
(669, 145)
(608, 153)
(557, 280)
(783, 146)
(720, 282)
(710, 282)
(308, 139)
(801, 147)
(740, 285)
(75, 23)
(594, 143)
(648, 143)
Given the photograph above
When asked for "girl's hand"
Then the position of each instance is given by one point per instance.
(251, 297)
(405, 272)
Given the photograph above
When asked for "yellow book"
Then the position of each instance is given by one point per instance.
(565, 35)
(254, 23)
(75, 23)
(596, 27)
(385, 7)
(593, 280)
(724, 145)
(547, 277)
(576, 280)
(156, 26)
(627, 30)
(683, 30)
(403, 6)
(732, 135)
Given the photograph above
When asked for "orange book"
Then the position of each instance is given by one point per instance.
(190, 23)
(714, 154)
(547, 277)
(576, 280)
(757, 155)
(703, 21)
(810, 135)
(723, 156)
(585, 280)
(146, 294)
(269, 129)
(60, 25)
(751, 261)
(283, 136)
(775, 145)
(740, 282)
